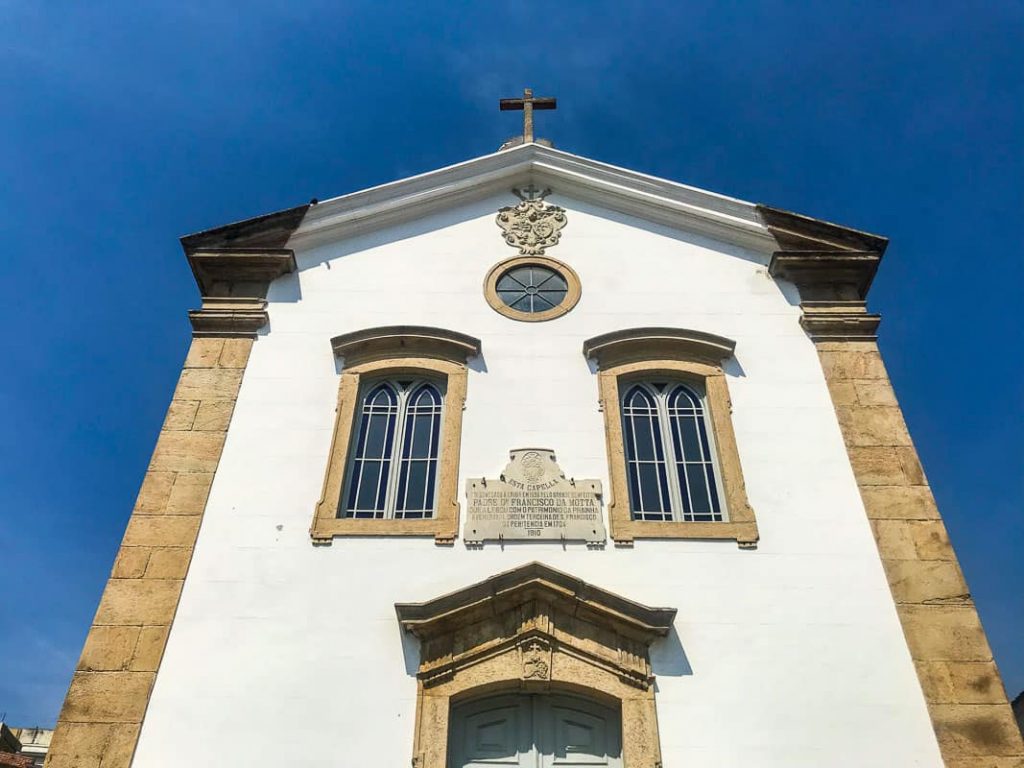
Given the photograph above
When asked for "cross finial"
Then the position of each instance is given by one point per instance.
(528, 103)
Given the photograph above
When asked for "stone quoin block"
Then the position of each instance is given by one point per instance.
(138, 601)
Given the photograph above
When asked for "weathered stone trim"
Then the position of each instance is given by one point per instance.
(233, 283)
(106, 703)
(475, 602)
(959, 678)
(444, 526)
(638, 344)
(741, 525)
(372, 344)
(535, 629)
(220, 272)
(229, 317)
(839, 321)
(271, 230)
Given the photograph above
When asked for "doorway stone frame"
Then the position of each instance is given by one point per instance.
(534, 629)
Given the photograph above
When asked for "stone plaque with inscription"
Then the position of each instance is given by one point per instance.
(533, 500)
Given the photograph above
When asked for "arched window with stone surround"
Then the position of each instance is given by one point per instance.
(394, 459)
(393, 470)
(673, 460)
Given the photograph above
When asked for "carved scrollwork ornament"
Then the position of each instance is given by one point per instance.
(531, 226)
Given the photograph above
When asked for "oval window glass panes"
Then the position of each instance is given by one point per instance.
(532, 288)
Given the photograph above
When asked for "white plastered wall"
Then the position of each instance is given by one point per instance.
(283, 653)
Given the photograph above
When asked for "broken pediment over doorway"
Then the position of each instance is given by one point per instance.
(535, 630)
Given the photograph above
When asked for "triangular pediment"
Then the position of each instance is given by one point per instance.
(802, 249)
(616, 189)
(535, 580)
(532, 613)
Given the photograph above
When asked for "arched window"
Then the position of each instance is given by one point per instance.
(393, 471)
(393, 466)
(669, 455)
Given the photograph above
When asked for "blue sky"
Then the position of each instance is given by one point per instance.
(126, 125)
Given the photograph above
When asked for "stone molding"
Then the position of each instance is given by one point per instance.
(535, 629)
(444, 526)
(233, 283)
(216, 271)
(229, 317)
(572, 296)
(482, 599)
(832, 267)
(233, 267)
(959, 678)
(392, 341)
(682, 354)
(637, 344)
(827, 272)
(99, 723)
(839, 321)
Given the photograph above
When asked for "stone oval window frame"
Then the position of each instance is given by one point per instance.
(567, 273)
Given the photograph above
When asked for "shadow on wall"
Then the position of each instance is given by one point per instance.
(410, 652)
(668, 659)
(732, 367)
(285, 289)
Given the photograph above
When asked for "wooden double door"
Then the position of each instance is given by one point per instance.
(534, 731)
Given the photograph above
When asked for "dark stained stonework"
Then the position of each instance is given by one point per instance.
(234, 265)
(271, 230)
(218, 271)
(794, 232)
(833, 268)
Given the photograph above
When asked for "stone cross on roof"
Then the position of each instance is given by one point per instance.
(528, 103)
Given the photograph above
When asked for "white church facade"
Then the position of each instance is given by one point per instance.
(535, 461)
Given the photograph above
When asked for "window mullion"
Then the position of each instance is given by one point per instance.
(395, 466)
(671, 460)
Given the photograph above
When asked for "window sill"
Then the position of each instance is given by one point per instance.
(743, 533)
(324, 531)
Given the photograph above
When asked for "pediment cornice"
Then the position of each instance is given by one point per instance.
(820, 257)
(526, 619)
(647, 197)
(498, 593)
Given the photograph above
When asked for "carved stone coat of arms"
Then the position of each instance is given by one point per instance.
(531, 226)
